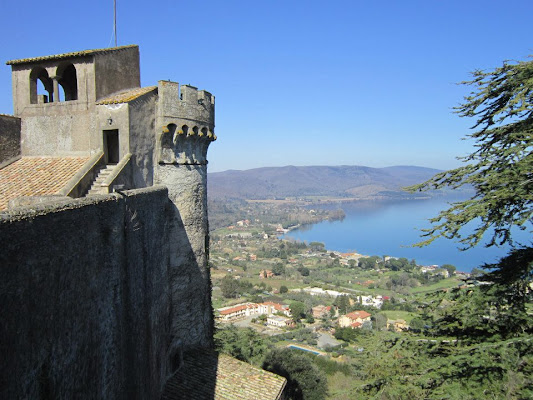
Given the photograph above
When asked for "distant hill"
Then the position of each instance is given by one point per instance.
(334, 181)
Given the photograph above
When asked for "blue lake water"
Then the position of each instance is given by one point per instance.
(391, 227)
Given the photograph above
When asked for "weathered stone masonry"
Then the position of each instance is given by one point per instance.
(85, 298)
(9, 138)
(187, 118)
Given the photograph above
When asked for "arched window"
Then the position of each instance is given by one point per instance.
(68, 81)
(195, 130)
(185, 130)
(41, 86)
(204, 131)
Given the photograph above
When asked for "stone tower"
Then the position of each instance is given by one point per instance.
(185, 117)
(56, 98)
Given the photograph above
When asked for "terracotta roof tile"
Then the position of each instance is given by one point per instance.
(36, 176)
(69, 55)
(206, 375)
(126, 96)
(237, 308)
(277, 306)
(358, 314)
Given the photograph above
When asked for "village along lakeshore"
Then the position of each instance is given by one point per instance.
(391, 227)
(368, 323)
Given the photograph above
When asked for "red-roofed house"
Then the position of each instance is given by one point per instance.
(321, 311)
(266, 273)
(272, 308)
(239, 311)
(354, 319)
(244, 310)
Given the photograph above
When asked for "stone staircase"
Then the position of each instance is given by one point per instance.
(96, 187)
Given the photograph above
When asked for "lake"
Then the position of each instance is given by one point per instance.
(390, 228)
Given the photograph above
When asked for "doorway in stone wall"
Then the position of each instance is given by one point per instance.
(111, 147)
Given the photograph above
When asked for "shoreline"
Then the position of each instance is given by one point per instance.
(422, 259)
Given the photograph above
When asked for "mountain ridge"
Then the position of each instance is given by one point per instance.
(341, 181)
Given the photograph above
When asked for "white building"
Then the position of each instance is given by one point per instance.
(279, 321)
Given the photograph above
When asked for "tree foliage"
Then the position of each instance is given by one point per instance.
(230, 287)
(501, 172)
(493, 308)
(450, 268)
(509, 290)
(369, 262)
(297, 310)
(304, 380)
(501, 168)
(405, 368)
(317, 246)
(242, 343)
(278, 269)
(348, 334)
(342, 302)
(379, 321)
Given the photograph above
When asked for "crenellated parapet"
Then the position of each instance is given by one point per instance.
(185, 118)
(184, 145)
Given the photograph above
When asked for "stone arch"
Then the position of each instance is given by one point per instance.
(41, 86)
(204, 132)
(68, 80)
(194, 130)
(185, 130)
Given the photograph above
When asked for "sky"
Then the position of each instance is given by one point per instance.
(310, 82)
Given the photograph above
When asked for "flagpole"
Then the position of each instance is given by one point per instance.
(115, 20)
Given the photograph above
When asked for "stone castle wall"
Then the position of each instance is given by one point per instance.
(9, 137)
(86, 298)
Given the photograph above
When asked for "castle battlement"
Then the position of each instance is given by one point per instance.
(186, 103)
(186, 117)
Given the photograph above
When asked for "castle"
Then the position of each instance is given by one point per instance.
(104, 278)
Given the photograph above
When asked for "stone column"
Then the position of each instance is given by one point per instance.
(55, 83)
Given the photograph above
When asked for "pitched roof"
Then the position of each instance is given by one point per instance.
(208, 375)
(238, 307)
(358, 314)
(126, 96)
(69, 55)
(277, 306)
(36, 176)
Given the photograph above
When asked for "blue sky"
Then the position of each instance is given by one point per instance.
(298, 82)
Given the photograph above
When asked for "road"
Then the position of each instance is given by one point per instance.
(325, 339)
